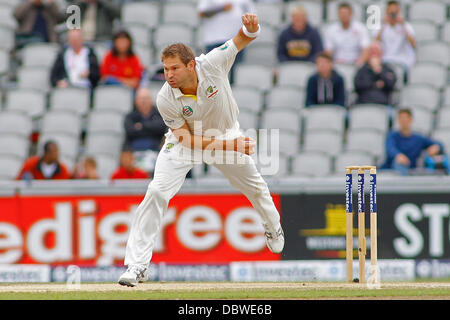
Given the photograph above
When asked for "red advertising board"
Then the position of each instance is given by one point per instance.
(93, 230)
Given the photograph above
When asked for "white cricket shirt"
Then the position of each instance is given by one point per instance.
(214, 107)
(396, 47)
(347, 44)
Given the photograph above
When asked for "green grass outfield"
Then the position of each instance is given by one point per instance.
(227, 290)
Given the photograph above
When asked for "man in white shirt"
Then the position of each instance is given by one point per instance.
(220, 20)
(397, 38)
(347, 40)
(196, 103)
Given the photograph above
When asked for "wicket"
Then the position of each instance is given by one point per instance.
(361, 223)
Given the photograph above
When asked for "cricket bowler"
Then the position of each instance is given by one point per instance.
(197, 105)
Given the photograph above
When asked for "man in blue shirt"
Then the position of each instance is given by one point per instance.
(403, 147)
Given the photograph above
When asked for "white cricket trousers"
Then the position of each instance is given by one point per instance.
(169, 175)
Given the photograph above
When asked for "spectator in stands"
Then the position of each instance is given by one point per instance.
(87, 169)
(375, 80)
(144, 127)
(403, 146)
(220, 19)
(76, 65)
(46, 167)
(299, 41)
(397, 38)
(347, 40)
(97, 18)
(37, 20)
(127, 169)
(326, 86)
(120, 65)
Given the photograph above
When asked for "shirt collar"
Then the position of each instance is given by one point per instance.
(177, 92)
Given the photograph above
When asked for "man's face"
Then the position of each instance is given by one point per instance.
(392, 12)
(298, 21)
(52, 153)
(144, 101)
(404, 121)
(345, 15)
(126, 160)
(75, 39)
(176, 72)
(324, 67)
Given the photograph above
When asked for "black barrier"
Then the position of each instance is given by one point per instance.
(409, 226)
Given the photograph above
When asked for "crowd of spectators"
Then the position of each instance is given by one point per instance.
(346, 41)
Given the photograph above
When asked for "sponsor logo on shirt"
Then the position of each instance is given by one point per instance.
(187, 111)
(224, 46)
(168, 147)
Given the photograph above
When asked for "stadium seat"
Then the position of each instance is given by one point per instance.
(399, 74)
(446, 99)
(424, 30)
(247, 120)
(248, 99)
(9, 167)
(154, 87)
(348, 72)
(419, 95)
(10, 3)
(139, 33)
(104, 122)
(369, 141)
(145, 55)
(104, 143)
(68, 145)
(7, 36)
(313, 10)
(14, 122)
(443, 136)
(113, 98)
(6, 16)
(100, 49)
(257, 76)
(272, 143)
(37, 78)
(323, 141)
(166, 34)
(445, 35)
(273, 166)
(141, 12)
(31, 102)
(431, 10)
(325, 117)
(332, 10)
(443, 118)
(295, 73)
(14, 145)
(269, 36)
(68, 162)
(282, 119)
(351, 158)
(428, 73)
(261, 54)
(39, 55)
(422, 120)
(285, 97)
(434, 51)
(311, 164)
(269, 13)
(369, 116)
(180, 12)
(61, 122)
(70, 99)
(106, 165)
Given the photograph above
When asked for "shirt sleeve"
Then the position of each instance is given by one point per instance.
(365, 36)
(222, 58)
(170, 114)
(328, 39)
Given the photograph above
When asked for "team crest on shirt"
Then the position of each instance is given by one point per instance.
(211, 91)
(187, 111)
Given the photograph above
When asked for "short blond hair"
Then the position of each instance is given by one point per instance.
(298, 9)
(180, 50)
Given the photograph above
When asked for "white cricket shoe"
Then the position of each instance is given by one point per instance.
(135, 274)
(275, 240)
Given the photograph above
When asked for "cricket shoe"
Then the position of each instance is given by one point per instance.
(275, 240)
(135, 274)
